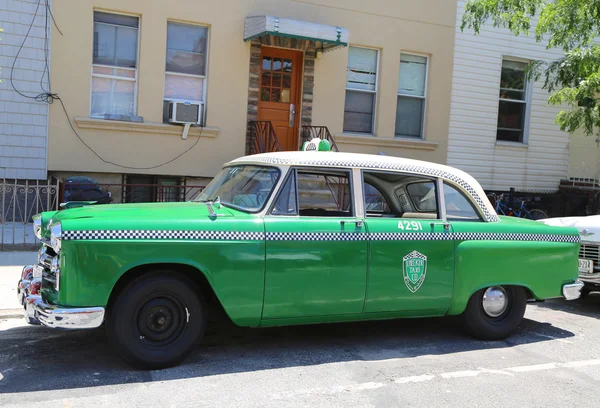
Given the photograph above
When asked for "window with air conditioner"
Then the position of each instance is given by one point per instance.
(185, 73)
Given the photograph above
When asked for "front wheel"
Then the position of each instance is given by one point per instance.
(157, 320)
(537, 215)
(494, 313)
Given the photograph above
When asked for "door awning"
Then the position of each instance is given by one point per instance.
(327, 37)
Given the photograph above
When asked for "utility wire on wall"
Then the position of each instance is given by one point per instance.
(48, 97)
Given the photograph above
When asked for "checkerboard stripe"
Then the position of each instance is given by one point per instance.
(162, 235)
(496, 236)
(316, 236)
(103, 235)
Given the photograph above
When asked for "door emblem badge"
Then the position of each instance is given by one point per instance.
(414, 270)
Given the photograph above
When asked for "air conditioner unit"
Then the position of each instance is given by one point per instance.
(185, 112)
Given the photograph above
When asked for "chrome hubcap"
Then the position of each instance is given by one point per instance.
(495, 301)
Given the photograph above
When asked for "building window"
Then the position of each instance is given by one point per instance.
(149, 189)
(361, 90)
(114, 67)
(185, 72)
(412, 92)
(512, 110)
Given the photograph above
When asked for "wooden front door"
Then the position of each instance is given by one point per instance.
(280, 77)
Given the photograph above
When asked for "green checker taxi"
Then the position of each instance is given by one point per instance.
(293, 238)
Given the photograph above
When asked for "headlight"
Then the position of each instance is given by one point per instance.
(54, 266)
(37, 226)
(55, 237)
(55, 269)
(42, 255)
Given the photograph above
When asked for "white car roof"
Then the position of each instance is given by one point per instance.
(370, 161)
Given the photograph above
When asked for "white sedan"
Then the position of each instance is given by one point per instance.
(589, 254)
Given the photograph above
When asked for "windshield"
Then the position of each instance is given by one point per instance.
(244, 187)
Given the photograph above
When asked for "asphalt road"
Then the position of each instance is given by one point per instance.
(554, 360)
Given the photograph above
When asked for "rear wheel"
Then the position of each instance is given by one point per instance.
(537, 215)
(157, 320)
(494, 313)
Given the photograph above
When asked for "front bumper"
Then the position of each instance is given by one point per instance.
(593, 278)
(39, 312)
(572, 291)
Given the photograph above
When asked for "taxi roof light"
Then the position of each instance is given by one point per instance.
(316, 145)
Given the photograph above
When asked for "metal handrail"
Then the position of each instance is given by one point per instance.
(320, 132)
(263, 138)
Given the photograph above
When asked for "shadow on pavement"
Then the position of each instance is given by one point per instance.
(34, 358)
(587, 306)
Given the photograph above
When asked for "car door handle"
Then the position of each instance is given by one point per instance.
(445, 224)
(359, 223)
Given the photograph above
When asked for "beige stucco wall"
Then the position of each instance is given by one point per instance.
(425, 26)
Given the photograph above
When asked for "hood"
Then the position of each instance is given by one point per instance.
(588, 227)
(170, 211)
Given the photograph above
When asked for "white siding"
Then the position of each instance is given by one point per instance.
(23, 121)
(472, 146)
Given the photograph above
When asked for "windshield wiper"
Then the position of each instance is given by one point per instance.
(217, 203)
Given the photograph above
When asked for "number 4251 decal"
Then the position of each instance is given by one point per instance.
(410, 226)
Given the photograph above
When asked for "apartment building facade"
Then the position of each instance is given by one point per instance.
(378, 76)
(502, 128)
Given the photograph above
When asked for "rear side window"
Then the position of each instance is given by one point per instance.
(458, 206)
(423, 196)
(375, 202)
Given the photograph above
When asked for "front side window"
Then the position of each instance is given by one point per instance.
(185, 70)
(412, 84)
(114, 65)
(458, 207)
(361, 90)
(512, 109)
(287, 203)
(246, 188)
(308, 193)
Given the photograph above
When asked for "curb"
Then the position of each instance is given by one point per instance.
(11, 313)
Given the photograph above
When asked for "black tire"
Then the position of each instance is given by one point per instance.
(537, 215)
(157, 320)
(484, 327)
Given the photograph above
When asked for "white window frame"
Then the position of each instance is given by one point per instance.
(375, 92)
(424, 97)
(203, 77)
(527, 101)
(116, 77)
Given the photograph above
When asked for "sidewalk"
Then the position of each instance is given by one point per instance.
(11, 264)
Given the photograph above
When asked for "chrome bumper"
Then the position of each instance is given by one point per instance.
(572, 291)
(39, 312)
(590, 278)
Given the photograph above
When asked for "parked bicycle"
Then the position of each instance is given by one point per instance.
(522, 212)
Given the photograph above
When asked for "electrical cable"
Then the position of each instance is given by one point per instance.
(48, 97)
